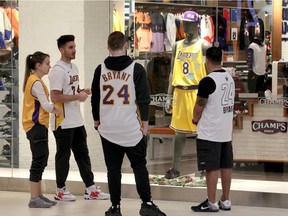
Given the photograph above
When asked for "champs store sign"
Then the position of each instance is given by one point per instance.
(160, 99)
(269, 126)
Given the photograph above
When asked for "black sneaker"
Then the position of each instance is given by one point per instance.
(205, 206)
(150, 210)
(171, 174)
(113, 211)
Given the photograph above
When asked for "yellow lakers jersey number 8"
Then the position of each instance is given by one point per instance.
(189, 64)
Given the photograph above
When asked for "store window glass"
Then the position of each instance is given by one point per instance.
(243, 30)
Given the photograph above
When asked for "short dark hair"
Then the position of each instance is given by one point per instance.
(214, 54)
(62, 40)
(116, 40)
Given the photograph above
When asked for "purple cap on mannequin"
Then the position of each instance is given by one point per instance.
(190, 16)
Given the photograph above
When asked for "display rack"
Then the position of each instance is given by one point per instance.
(9, 106)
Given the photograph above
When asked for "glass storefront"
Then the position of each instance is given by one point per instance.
(260, 126)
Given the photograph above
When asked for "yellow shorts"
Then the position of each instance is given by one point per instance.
(182, 110)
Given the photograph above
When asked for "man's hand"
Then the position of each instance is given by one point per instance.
(195, 123)
(57, 110)
(82, 96)
(87, 91)
(96, 124)
(144, 128)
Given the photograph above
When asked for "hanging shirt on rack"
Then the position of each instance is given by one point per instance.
(170, 37)
(117, 26)
(13, 16)
(222, 31)
(143, 31)
(249, 28)
(6, 31)
(158, 30)
(207, 28)
(179, 28)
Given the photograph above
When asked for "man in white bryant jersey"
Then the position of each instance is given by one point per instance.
(69, 130)
(120, 106)
(213, 114)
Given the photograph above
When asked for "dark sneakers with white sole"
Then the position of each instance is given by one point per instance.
(206, 206)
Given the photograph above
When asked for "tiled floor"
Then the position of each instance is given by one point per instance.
(15, 203)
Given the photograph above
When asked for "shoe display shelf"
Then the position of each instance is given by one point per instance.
(8, 113)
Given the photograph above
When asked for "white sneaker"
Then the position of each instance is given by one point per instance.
(64, 195)
(225, 205)
(94, 193)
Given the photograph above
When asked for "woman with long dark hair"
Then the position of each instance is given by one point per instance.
(35, 121)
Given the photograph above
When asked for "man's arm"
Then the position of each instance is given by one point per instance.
(58, 96)
(95, 98)
(198, 109)
(142, 95)
(206, 87)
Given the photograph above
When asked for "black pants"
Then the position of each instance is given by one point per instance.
(255, 82)
(114, 155)
(75, 139)
(38, 137)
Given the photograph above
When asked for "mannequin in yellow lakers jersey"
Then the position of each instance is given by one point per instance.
(187, 69)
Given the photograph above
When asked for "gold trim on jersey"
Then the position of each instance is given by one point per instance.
(59, 119)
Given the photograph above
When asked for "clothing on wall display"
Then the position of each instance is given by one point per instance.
(207, 28)
(117, 26)
(222, 31)
(143, 31)
(158, 32)
(170, 37)
(250, 27)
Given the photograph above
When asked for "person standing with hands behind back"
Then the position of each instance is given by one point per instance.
(69, 130)
(35, 121)
(120, 107)
(213, 115)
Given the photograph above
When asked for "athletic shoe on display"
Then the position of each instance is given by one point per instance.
(39, 203)
(206, 206)
(224, 205)
(4, 127)
(113, 211)
(9, 116)
(64, 195)
(150, 209)
(7, 134)
(172, 173)
(94, 193)
(6, 149)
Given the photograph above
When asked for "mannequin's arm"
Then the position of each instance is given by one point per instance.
(168, 104)
(171, 87)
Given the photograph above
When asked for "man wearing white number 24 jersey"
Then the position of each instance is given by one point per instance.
(213, 114)
(120, 106)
